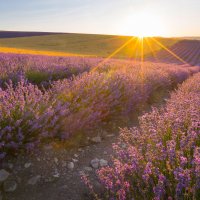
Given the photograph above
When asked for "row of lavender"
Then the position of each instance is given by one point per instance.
(40, 69)
(187, 51)
(161, 158)
(30, 116)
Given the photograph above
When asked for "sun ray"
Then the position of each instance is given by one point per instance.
(142, 75)
(114, 53)
(134, 48)
(142, 56)
(169, 51)
(151, 49)
(142, 49)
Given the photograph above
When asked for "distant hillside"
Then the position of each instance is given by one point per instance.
(14, 34)
(191, 38)
(86, 44)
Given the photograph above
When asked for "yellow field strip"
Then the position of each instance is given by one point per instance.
(37, 52)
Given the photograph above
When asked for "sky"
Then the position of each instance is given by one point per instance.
(119, 17)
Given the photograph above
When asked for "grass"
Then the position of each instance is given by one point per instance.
(35, 52)
(79, 44)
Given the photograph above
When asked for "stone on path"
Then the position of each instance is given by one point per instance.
(110, 135)
(95, 163)
(74, 160)
(56, 175)
(56, 160)
(64, 164)
(10, 165)
(3, 175)
(70, 165)
(34, 180)
(10, 186)
(88, 169)
(96, 139)
(103, 163)
(76, 155)
(27, 165)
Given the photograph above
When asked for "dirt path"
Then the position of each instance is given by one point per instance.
(54, 173)
(57, 181)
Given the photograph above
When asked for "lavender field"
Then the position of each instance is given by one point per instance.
(94, 95)
(74, 102)
(188, 50)
(99, 100)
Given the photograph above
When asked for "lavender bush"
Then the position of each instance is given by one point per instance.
(95, 97)
(161, 158)
(39, 69)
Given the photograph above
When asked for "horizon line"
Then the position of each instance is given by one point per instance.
(86, 33)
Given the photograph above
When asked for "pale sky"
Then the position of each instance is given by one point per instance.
(126, 17)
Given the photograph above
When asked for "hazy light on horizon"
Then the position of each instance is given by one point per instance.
(123, 17)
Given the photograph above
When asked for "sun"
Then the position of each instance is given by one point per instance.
(144, 24)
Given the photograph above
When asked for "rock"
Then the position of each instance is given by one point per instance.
(64, 164)
(10, 186)
(48, 147)
(88, 169)
(3, 175)
(57, 175)
(74, 160)
(34, 180)
(56, 160)
(95, 163)
(96, 139)
(10, 165)
(27, 165)
(70, 165)
(105, 152)
(103, 162)
(110, 135)
(82, 173)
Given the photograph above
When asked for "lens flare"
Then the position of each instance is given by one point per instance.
(143, 24)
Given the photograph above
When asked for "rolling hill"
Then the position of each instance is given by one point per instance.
(84, 44)
(15, 34)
